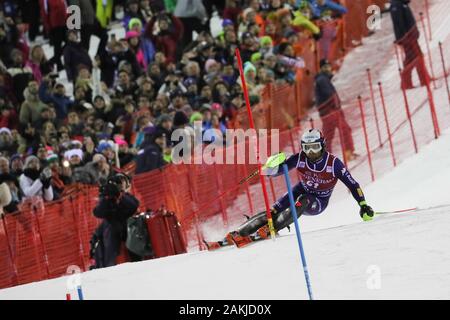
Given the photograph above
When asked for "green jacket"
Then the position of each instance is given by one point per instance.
(170, 5)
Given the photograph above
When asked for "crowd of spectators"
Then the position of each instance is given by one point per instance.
(166, 72)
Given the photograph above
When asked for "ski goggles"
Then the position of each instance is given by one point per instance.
(311, 147)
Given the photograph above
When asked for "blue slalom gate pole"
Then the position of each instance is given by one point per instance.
(297, 229)
(80, 293)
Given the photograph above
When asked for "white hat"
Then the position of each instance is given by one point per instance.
(4, 129)
(73, 152)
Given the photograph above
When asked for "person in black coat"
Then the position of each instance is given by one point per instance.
(150, 156)
(330, 111)
(74, 56)
(407, 35)
(115, 206)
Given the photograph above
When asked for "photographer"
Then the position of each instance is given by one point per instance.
(115, 206)
(34, 182)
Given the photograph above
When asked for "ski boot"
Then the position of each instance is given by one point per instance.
(263, 232)
(238, 240)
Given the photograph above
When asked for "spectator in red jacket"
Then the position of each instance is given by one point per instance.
(54, 17)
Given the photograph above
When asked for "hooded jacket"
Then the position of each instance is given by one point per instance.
(31, 108)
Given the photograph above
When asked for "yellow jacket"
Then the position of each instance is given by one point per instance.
(104, 12)
(301, 21)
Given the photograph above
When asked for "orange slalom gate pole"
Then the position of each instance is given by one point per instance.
(363, 121)
(388, 127)
(444, 67)
(372, 97)
(252, 125)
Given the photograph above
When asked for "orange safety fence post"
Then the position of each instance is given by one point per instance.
(77, 230)
(39, 235)
(430, 58)
(388, 128)
(223, 208)
(340, 133)
(372, 96)
(366, 138)
(444, 67)
(434, 119)
(195, 208)
(408, 114)
(15, 278)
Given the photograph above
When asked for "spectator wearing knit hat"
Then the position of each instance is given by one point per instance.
(147, 46)
(33, 182)
(134, 43)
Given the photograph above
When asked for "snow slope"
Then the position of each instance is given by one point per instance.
(411, 251)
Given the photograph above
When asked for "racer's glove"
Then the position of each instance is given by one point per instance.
(366, 212)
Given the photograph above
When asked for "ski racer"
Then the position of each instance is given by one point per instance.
(319, 172)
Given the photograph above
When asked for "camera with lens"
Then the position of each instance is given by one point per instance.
(112, 188)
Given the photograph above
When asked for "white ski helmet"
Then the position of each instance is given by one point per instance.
(312, 140)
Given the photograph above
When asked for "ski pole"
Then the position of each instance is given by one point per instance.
(297, 230)
(415, 209)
